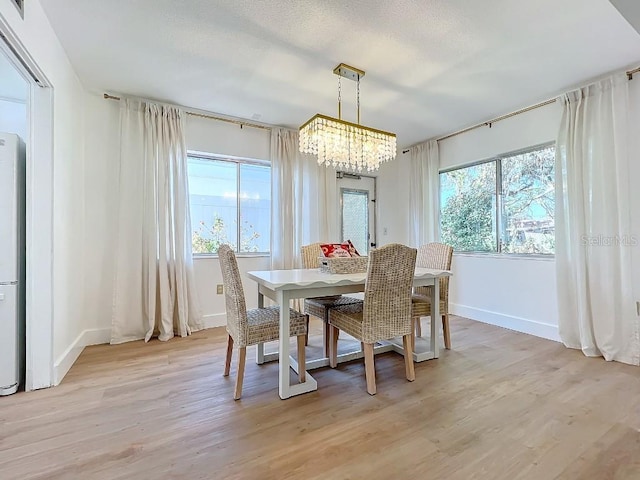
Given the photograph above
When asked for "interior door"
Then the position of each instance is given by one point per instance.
(357, 203)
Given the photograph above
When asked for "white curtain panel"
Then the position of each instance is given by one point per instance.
(154, 291)
(304, 200)
(424, 188)
(593, 223)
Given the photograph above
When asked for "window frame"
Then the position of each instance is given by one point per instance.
(498, 201)
(238, 161)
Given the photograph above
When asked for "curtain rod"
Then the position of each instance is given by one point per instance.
(211, 117)
(488, 123)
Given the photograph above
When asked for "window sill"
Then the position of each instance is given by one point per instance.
(507, 256)
(206, 256)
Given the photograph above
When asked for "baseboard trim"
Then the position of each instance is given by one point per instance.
(97, 336)
(63, 364)
(214, 320)
(523, 325)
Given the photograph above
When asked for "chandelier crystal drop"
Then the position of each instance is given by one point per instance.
(345, 145)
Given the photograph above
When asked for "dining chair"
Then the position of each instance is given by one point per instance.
(250, 327)
(319, 306)
(385, 312)
(437, 256)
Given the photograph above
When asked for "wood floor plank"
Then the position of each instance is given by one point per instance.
(500, 405)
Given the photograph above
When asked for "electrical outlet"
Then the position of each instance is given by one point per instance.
(220, 289)
(384, 231)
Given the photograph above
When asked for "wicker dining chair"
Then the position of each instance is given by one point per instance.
(250, 327)
(319, 306)
(385, 312)
(437, 256)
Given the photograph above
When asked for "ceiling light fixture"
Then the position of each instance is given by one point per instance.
(341, 144)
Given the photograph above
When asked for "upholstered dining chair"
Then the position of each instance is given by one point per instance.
(319, 306)
(437, 256)
(250, 327)
(385, 312)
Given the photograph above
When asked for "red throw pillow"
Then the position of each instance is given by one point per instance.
(333, 250)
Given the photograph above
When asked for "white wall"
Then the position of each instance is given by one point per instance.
(521, 131)
(13, 117)
(393, 201)
(513, 292)
(102, 150)
(39, 39)
(212, 136)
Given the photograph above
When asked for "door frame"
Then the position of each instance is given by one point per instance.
(357, 191)
(39, 212)
(340, 175)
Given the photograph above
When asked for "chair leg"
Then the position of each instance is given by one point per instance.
(242, 355)
(302, 364)
(370, 368)
(326, 337)
(362, 347)
(306, 335)
(333, 338)
(227, 365)
(418, 327)
(446, 332)
(408, 357)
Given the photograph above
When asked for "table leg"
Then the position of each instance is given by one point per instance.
(285, 388)
(260, 346)
(283, 350)
(435, 318)
(260, 353)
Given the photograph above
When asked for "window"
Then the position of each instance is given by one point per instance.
(503, 205)
(467, 199)
(230, 202)
(355, 218)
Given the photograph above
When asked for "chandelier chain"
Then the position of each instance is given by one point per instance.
(339, 98)
(358, 98)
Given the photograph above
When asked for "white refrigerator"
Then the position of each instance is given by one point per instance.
(12, 262)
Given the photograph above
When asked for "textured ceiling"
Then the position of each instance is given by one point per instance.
(12, 85)
(433, 66)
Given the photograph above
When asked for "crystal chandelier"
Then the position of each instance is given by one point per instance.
(345, 145)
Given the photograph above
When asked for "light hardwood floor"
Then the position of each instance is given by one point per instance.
(500, 405)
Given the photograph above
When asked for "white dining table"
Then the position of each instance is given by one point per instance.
(281, 286)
